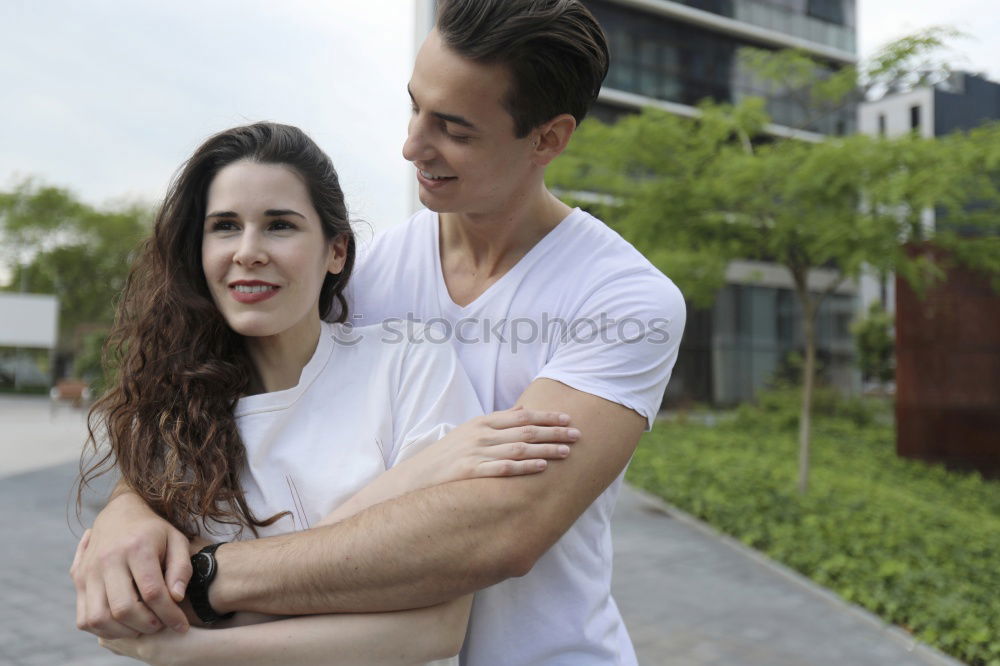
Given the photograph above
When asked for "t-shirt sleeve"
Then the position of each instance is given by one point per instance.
(623, 343)
(433, 396)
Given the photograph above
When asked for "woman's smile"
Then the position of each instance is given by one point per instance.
(252, 291)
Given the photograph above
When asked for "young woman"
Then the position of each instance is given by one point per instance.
(236, 410)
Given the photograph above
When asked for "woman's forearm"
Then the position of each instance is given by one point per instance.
(377, 639)
(389, 485)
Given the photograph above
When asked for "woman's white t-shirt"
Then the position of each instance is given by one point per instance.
(367, 399)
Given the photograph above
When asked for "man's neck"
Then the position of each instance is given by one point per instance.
(478, 249)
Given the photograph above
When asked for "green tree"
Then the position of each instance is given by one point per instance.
(695, 193)
(56, 244)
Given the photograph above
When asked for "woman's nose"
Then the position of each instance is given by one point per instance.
(251, 250)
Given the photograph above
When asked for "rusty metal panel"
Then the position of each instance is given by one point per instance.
(948, 372)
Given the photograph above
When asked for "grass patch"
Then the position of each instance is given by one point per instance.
(916, 544)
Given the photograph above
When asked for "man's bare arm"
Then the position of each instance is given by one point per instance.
(441, 542)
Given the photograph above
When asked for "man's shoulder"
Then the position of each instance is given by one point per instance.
(592, 256)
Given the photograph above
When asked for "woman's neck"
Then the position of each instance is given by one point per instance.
(279, 359)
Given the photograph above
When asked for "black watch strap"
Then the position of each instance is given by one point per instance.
(204, 568)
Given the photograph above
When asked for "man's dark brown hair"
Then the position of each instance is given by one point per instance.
(556, 52)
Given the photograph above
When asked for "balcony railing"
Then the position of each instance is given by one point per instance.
(780, 19)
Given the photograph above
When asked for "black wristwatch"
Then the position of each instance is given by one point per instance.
(204, 569)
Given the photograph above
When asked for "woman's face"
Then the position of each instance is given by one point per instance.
(263, 251)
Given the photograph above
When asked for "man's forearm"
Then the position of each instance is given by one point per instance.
(424, 548)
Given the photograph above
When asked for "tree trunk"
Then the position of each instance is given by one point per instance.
(809, 309)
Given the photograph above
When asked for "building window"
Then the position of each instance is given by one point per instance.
(831, 11)
(915, 117)
(881, 124)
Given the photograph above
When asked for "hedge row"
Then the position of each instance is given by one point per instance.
(916, 544)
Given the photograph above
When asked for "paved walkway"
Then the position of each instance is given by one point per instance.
(689, 596)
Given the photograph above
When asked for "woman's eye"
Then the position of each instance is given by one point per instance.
(223, 225)
(282, 225)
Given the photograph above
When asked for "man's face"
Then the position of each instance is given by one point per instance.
(461, 138)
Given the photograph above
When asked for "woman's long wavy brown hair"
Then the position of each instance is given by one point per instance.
(166, 423)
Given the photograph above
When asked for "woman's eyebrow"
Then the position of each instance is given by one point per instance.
(276, 212)
(271, 212)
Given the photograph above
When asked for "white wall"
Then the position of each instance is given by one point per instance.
(896, 109)
(28, 320)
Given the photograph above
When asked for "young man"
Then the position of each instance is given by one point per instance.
(547, 307)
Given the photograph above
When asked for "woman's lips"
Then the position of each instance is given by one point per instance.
(252, 292)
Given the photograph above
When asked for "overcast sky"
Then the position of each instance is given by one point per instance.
(880, 21)
(107, 97)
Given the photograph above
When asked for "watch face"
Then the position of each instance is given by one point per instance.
(202, 564)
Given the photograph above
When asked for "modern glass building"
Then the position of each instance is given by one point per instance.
(673, 55)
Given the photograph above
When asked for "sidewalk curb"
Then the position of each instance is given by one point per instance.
(930, 655)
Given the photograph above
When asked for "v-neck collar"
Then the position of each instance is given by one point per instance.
(512, 273)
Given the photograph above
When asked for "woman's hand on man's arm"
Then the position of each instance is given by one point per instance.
(512, 442)
(130, 571)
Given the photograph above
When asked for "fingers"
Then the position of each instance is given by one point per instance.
(152, 584)
(526, 451)
(124, 603)
(119, 646)
(519, 459)
(534, 434)
(510, 467)
(519, 416)
(97, 618)
(81, 599)
(78, 556)
(178, 569)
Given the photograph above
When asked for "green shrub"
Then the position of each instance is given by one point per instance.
(874, 340)
(913, 543)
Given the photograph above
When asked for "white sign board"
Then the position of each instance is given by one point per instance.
(28, 320)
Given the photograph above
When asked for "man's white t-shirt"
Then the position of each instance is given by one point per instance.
(582, 307)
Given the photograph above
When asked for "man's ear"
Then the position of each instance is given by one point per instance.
(551, 138)
(338, 254)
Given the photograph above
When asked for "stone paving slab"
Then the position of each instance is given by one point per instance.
(37, 616)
